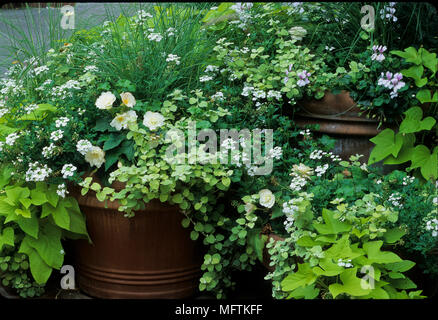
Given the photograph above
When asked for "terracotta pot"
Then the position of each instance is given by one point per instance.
(338, 117)
(148, 256)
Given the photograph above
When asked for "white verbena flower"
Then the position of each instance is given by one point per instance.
(57, 135)
(83, 146)
(68, 170)
(61, 122)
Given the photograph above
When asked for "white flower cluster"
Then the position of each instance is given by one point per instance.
(392, 82)
(83, 146)
(3, 111)
(320, 170)
(10, 139)
(218, 96)
(345, 263)
(68, 170)
(289, 209)
(276, 153)
(173, 58)
(205, 78)
(48, 150)
(395, 199)
(211, 68)
(61, 122)
(274, 94)
(318, 154)
(243, 11)
(28, 109)
(37, 172)
(432, 225)
(62, 91)
(57, 135)
(155, 36)
(408, 180)
(40, 70)
(297, 183)
(170, 32)
(229, 144)
(11, 86)
(62, 190)
(44, 85)
(91, 69)
(305, 132)
(388, 12)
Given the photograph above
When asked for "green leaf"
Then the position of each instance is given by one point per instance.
(429, 60)
(38, 198)
(61, 216)
(393, 235)
(303, 277)
(414, 72)
(327, 268)
(7, 237)
(409, 54)
(386, 143)
(351, 285)
(48, 245)
(38, 268)
(332, 225)
(307, 292)
(29, 225)
(401, 266)
(113, 141)
(372, 250)
(257, 242)
(427, 162)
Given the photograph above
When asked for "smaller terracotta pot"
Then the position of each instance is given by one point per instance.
(339, 117)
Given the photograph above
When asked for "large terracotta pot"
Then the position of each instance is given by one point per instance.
(148, 256)
(338, 117)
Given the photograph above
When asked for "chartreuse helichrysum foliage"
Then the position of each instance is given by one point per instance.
(37, 216)
(351, 249)
(400, 147)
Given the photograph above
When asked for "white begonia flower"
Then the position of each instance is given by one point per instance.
(267, 198)
(95, 156)
(83, 146)
(153, 120)
(68, 170)
(121, 121)
(105, 101)
(128, 99)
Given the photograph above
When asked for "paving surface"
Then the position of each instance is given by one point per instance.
(34, 22)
